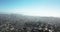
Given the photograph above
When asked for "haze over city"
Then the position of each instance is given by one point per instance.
(29, 15)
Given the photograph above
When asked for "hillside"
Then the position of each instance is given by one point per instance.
(18, 21)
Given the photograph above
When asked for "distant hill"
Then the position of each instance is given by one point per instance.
(14, 18)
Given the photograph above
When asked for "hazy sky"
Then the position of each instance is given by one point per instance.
(31, 7)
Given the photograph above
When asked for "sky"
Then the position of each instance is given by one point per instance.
(31, 7)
